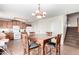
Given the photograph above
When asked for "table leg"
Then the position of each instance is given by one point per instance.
(42, 48)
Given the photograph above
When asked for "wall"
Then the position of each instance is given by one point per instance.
(72, 20)
(55, 25)
(64, 27)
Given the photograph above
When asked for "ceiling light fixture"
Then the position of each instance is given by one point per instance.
(39, 13)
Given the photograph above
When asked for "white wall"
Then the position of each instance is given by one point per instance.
(72, 20)
(64, 27)
(55, 25)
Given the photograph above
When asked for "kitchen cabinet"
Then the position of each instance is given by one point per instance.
(1, 24)
(5, 23)
(14, 22)
(20, 24)
(23, 26)
(9, 24)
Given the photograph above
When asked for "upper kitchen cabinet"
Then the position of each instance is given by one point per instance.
(9, 24)
(14, 22)
(18, 23)
(1, 24)
(5, 23)
(23, 25)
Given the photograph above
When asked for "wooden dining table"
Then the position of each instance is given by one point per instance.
(41, 39)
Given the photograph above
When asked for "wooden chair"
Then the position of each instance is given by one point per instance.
(31, 33)
(53, 45)
(3, 43)
(27, 45)
(49, 33)
(3, 46)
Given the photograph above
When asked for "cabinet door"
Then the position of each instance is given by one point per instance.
(24, 25)
(9, 24)
(21, 26)
(18, 23)
(1, 24)
(4, 24)
(14, 22)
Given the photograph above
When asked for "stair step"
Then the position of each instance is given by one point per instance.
(72, 37)
(72, 45)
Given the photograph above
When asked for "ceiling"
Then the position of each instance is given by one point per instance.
(24, 11)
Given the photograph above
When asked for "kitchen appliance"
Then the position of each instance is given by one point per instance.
(17, 33)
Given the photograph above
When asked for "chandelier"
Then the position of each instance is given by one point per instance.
(39, 13)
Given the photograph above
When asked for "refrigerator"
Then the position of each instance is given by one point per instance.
(16, 32)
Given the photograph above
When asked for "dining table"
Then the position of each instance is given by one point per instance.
(41, 39)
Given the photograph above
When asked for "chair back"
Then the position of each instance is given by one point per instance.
(49, 33)
(31, 33)
(58, 39)
(2, 36)
(25, 41)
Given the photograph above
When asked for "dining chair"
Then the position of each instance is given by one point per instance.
(53, 40)
(50, 40)
(54, 45)
(49, 33)
(32, 33)
(3, 47)
(27, 45)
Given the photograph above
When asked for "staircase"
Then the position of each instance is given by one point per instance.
(72, 37)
